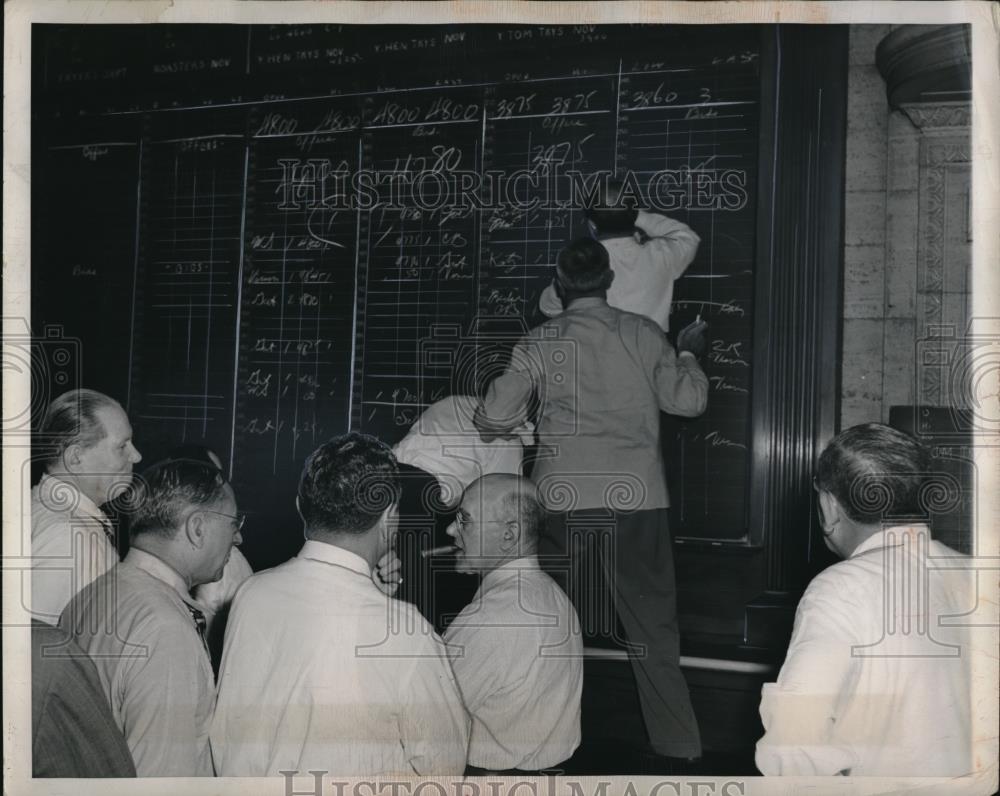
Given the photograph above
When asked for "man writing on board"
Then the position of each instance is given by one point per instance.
(648, 251)
(601, 377)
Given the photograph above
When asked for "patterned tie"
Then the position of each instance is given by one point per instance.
(201, 624)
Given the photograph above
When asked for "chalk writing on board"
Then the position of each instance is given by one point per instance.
(253, 259)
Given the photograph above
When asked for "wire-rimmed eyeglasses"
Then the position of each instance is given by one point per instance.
(239, 518)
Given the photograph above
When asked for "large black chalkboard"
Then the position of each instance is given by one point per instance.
(259, 309)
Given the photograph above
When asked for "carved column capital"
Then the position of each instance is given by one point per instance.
(938, 115)
(922, 63)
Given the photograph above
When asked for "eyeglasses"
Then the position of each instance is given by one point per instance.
(240, 518)
(462, 522)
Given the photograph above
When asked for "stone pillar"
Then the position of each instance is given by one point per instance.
(928, 235)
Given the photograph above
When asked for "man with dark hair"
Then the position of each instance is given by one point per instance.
(648, 252)
(602, 376)
(89, 456)
(516, 649)
(876, 681)
(321, 668)
(143, 630)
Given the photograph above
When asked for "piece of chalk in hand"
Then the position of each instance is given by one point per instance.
(438, 551)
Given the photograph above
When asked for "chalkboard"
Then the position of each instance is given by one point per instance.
(276, 286)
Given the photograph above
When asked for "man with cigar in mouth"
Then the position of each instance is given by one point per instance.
(516, 649)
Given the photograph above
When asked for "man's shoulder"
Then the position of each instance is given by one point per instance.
(141, 608)
(554, 327)
(139, 593)
(524, 601)
(847, 581)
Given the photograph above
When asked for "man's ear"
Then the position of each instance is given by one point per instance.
(72, 457)
(194, 529)
(609, 278)
(831, 509)
(511, 536)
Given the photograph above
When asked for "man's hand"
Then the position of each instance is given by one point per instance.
(692, 338)
(387, 575)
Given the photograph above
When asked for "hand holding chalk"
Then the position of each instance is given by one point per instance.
(692, 338)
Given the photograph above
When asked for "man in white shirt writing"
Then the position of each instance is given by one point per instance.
(145, 632)
(516, 648)
(321, 669)
(648, 253)
(877, 678)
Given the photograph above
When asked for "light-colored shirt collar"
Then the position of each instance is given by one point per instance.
(510, 569)
(53, 494)
(338, 556)
(159, 569)
(880, 539)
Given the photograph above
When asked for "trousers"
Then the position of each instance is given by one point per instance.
(634, 551)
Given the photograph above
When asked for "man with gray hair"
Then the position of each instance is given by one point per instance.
(143, 629)
(89, 456)
(877, 677)
(516, 649)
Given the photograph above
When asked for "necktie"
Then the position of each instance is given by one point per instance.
(201, 624)
(106, 525)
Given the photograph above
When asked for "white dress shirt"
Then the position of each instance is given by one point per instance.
(321, 670)
(518, 655)
(644, 272)
(445, 443)
(876, 681)
(136, 625)
(71, 546)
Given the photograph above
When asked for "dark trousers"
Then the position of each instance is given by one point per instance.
(429, 583)
(634, 553)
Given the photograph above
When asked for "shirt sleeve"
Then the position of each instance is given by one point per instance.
(475, 664)
(674, 240)
(161, 700)
(549, 303)
(434, 726)
(505, 407)
(680, 383)
(799, 711)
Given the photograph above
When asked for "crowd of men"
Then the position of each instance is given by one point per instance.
(323, 667)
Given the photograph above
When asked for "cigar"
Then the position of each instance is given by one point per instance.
(439, 551)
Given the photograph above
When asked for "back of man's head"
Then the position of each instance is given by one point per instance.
(875, 472)
(515, 499)
(347, 484)
(584, 266)
(521, 502)
(614, 213)
(165, 492)
(72, 419)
